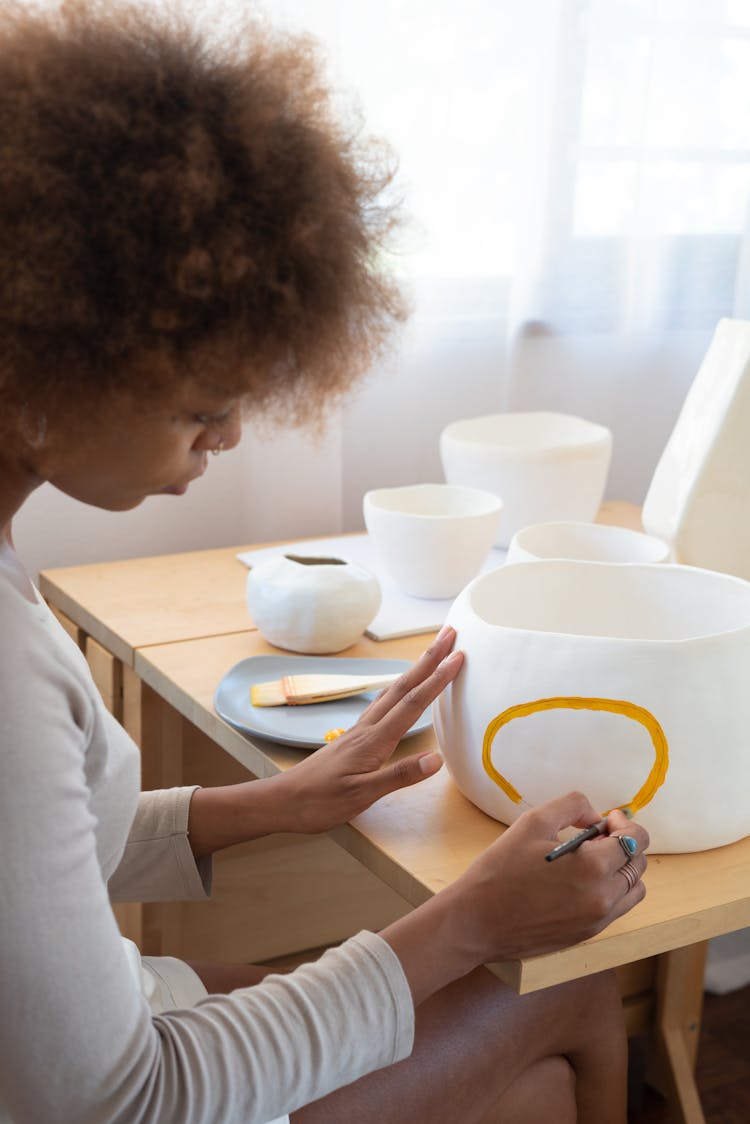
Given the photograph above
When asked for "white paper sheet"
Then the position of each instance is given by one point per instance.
(399, 615)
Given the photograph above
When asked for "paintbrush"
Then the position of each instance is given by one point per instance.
(302, 690)
(575, 841)
(572, 844)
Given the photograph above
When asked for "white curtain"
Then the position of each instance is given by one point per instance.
(577, 174)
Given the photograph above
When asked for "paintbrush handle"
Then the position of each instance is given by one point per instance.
(575, 841)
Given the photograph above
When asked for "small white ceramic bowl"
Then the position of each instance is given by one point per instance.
(543, 466)
(585, 542)
(431, 538)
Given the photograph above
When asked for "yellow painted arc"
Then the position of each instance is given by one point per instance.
(658, 771)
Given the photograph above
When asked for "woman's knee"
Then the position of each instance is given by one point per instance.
(551, 1081)
(598, 1001)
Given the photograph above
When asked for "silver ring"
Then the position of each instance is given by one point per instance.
(215, 452)
(631, 875)
(625, 849)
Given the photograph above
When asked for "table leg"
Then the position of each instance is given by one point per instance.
(679, 988)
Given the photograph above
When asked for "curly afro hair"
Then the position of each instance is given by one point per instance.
(173, 206)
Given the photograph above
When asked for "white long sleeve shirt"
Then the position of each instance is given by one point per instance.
(78, 1042)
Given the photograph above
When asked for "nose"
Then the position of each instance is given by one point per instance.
(231, 429)
(224, 434)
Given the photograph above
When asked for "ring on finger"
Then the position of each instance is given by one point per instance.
(628, 844)
(631, 875)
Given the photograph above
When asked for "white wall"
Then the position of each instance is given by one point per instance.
(265, 489)
(285, 485)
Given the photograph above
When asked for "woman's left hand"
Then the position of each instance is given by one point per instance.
(350, 773)
(338, 781)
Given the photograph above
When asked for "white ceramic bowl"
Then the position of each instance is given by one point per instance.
(586, 542)
(627, 682)
(431, 538)
(543, 466)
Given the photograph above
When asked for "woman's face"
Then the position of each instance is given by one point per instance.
(144, 450)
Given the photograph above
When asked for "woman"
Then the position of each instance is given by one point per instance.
(187, 232)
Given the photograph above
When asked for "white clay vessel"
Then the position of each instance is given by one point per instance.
(627, 682)
(312, 605)
(699, 496)
(585, 542)
(431, 539)
(544, 466)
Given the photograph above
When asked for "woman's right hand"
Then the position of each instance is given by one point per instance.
(511, 903)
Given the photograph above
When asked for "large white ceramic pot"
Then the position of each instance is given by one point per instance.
(544, 466)
(627, 682)
(313, 605)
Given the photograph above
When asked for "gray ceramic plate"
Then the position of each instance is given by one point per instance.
(304, 726)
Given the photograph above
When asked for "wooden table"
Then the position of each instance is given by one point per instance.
(160, 633)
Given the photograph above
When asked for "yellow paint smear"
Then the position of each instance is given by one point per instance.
(564, 702)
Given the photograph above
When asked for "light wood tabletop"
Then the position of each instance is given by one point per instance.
(420, 839)
(128, 605)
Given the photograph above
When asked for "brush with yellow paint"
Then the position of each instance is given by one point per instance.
(572, 844)
(302, 690)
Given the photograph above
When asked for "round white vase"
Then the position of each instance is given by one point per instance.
(544, 466)
(627, 682)
(313, 605)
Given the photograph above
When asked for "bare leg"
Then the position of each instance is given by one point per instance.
(484, 1055)
(547, 1083)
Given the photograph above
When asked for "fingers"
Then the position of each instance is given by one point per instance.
(628, 845)
(617, 820)
(571, 810)
(630, 897)
(622, 905)
(405, 712)
(616, 861)
(621, 860)
(631, 873)
(574, 809)
(420, 671)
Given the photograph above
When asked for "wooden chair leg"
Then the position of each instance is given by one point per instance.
(679, 988)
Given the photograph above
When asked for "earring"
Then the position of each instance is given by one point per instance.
(215, 452)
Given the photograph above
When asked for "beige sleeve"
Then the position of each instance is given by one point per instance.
(157, 863)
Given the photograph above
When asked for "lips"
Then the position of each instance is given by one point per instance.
(180, 489)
